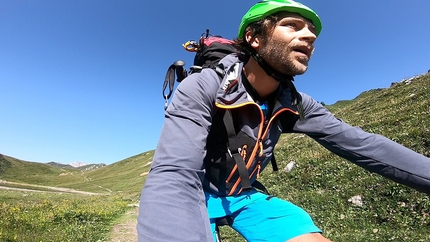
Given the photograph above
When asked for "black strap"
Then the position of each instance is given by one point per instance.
(258, 185)
(176, 68)
(227, 220)
(233, 147)
(169, 80)
(274, 165)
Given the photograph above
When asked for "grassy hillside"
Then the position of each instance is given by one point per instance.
(50, 213)
(125, 177)
(25, 171)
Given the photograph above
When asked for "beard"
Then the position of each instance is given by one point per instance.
(281, 57)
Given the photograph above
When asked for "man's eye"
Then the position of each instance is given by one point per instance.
(291, 25)
(313, 29)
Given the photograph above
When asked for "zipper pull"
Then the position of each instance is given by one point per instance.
(258, 170)
(260, 143)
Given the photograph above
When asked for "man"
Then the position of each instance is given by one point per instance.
(213, 131)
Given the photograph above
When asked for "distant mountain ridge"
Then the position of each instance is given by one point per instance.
(77, 165)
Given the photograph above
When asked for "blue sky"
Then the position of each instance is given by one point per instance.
(82, 80)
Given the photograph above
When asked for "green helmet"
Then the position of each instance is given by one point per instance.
(267, 7)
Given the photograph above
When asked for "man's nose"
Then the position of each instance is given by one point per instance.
(307, 35)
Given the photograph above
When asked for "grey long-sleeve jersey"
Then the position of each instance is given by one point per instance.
(172, 205)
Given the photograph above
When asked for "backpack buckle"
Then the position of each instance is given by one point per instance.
(191, 46)
(166, 102)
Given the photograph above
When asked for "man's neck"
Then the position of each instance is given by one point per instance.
(263, 84)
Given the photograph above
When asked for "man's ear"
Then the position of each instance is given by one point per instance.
(254, 41)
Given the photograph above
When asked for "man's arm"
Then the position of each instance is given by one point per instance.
(172, 205)
(370, 151)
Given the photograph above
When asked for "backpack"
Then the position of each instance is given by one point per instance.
(209, 51)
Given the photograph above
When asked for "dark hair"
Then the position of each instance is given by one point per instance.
(263, 27)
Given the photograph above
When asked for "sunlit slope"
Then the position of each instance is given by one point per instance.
(123, 177)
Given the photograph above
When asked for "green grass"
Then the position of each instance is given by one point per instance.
(321, 182)
(57, 217)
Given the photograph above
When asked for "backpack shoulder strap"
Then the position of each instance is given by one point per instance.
(233, 150)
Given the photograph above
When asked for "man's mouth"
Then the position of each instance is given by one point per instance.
(303, 49)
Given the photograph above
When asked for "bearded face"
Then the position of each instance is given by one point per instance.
(290, 45)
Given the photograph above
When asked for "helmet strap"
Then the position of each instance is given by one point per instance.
(281, 78)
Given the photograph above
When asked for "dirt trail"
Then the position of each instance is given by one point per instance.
(125, 230)
(48, 188)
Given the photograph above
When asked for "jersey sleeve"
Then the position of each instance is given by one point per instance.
(172, 205)
(373, 152)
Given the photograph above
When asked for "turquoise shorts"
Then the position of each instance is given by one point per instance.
(259, 217)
